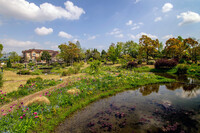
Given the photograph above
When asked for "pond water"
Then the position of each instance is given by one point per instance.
(171, 108)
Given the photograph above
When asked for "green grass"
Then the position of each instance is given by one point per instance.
(64, 104)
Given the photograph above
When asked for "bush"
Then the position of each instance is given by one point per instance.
(33, 80)
(9, 65)
(182, 69)
(18, 66)
(31, 64)
(94, 66)
(66, 73)
(189, 62)
(131, 64)
(166, 64)
(152, 62)
(24, 72)
(139, 62)
(182, 61)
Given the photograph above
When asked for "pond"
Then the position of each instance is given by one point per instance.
(168, 108)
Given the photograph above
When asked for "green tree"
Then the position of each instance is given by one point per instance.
(46, 56)
(14, 57)
(194, 48)
(103, 54)
(148, 47)
(69, 52)
(131, 48)
(112, 54)
(1, 49)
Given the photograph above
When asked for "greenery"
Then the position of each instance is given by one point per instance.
(62, 103)
(46, 56)
(182, 69)
(24, 72)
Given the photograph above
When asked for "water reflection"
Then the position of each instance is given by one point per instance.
(175, 110)
(190, 88)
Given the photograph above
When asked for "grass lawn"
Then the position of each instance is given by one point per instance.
(12, 80)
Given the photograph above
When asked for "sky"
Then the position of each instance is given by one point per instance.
(45, 24)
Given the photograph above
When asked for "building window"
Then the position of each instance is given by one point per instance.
(33, 54)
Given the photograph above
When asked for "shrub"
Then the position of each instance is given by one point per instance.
(33, 80)
(18, 66)
(189, 62)
(152, 62)
(166, 64)
(182, 69)
(31, 64)
(66, 73)
(182, 61)
(24, 72)
(139, 62)
(94, 66)
(9, 65)
(131, 64)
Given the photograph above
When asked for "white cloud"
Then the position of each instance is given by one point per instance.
(130, 22)
(43, 31)
(158, 19)
(115, 31)
(91, 37)
(167, 37)
(135, 27)
(136, 1)
(22, 9)
(16, 43)
(119, 36)
(134, 37)
(54, 47)
(189, 17)
(65, 35)
(167, 7)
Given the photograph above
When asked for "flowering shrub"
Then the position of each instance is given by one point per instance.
(164, 63)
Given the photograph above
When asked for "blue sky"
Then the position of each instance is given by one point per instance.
(45, 24)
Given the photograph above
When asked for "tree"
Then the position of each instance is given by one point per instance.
(69, 52)
(1, 49)
(95, 54)
(193, 48)
(131, 48)
(111, 53)
(14, 57)
(175, 48)
(148, 47)
(103, 54)
(46, 56)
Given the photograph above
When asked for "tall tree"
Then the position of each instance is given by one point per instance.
(175, 48)
(14, 57)
(194, 48)
(148, 47)
(131, 48)
(112, 54)
(103, 54)
(46, 56)
(69, 52)
(1, 49)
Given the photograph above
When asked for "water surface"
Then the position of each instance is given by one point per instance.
(170, 108)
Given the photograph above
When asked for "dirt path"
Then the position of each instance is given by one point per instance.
(25, 99)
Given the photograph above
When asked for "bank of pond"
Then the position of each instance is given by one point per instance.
(144, 102)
